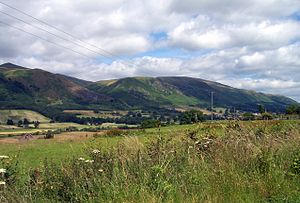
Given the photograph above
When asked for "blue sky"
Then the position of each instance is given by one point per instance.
(246, 44)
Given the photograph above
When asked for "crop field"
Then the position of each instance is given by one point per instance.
(224, 161)
(14, 131)
(6, 130)
(17, 115)
(99, 114)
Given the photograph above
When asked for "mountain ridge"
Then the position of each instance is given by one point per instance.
(22, 87)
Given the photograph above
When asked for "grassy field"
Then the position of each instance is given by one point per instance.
(207, 162)
(6, 130)
(100, 114)
(69, 144)
(17, 115)
(9, 131)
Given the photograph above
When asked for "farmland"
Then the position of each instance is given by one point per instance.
(17, 115)
(14, 131)
(207, 162)
(98, 114)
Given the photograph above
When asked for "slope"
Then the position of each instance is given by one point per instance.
(186, 91)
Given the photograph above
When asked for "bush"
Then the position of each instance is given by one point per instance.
(9, 122)
(248, 116)
(192, 116)
(49, 135)
(266, 116)
(150, 124)
(116, 133)
(71, 129)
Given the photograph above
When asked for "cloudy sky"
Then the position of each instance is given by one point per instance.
(251, 44)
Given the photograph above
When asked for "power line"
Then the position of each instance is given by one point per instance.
(62, 31)
(40, 28)
(55, 35)
(59, 45)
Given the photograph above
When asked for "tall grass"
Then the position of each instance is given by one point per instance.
(221, 162)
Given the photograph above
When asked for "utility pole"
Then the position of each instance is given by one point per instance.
(212, 105)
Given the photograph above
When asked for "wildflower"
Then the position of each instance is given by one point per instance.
(96, 151)
(3, 157)
(2, 170)
(2, 183)
(101, 170)
(81, 159)
(89, 161)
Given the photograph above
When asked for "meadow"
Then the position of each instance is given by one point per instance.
(224, 161)
(17, 115)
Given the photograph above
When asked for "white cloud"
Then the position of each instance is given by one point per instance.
(249, 44)
(202, 32)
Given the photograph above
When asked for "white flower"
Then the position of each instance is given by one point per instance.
(89, 161)
(3, 157)
(101, 170)
(96, 151)
(2, 183)
(81, 159)
(2, 170)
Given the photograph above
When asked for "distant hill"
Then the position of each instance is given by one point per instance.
(11, 66)
(43, 91)
(40, 90)
(185, 91)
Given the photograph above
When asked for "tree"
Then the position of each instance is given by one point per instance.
(20, 123)
(10, 122)
(36, 124)
(192, 116)
(26, 122)
(293, 109)
(150, 124)
(49, 135)
(266, 116)
(261, 108)
(248, 116)
(226, 113)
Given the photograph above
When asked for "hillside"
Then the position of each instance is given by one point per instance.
(186, 91)
(17, 115)
(39, 90)
(35, 89)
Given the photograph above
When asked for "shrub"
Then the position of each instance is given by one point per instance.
(49, 135)
(116, 132)
(266, 116)
(150, 124)
(9, 122)
(71, 129)
(192, 116)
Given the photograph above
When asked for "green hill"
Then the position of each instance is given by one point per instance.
(48, 93)
(38, 89)
(185, 91)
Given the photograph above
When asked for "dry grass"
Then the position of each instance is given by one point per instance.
(211, 162)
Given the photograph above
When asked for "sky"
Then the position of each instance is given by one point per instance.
(251, 44)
